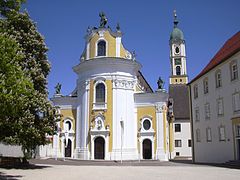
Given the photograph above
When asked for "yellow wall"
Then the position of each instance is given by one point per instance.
(107, 113)
(171, 137)
(111, 44)
(148, 111)
(68, 113)
(122, 51)
(165, 130)
(173, 80)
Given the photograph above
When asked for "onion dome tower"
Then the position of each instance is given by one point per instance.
(177, 55)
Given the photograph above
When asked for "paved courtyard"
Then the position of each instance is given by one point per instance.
(79, 170)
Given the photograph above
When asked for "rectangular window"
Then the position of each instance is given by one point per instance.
(189, 143)
(198, 137)
(236, 102)
(177, 153)
(205, 85)
(220, 109)
(178, 143)
(222, 136)
(238, 130)
(178, 61)
(207, 111)
(195, 91)
(209, 134)
(197, 115)
(218, 79)
(177, 127)
(234, 71)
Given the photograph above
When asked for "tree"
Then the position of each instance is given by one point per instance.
(28, 114)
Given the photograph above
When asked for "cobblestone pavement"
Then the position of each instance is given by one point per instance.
(50, 169)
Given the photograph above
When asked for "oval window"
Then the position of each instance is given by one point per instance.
(177, 50)
(146, 124)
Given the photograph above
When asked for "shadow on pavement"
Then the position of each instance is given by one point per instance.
(222, 165)
(4, 176)
(23, 166)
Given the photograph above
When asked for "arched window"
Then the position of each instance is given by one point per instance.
(101, 51)
(67, 125)
(100, 93)
(178, 70)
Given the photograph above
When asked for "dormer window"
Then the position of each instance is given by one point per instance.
(101, 48)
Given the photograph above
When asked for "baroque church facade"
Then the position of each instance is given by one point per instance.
(113, 113)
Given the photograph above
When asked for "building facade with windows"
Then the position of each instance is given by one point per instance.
(113, 113)
(178, 114)
(215, 106)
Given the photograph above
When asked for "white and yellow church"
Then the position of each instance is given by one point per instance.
(113, 113)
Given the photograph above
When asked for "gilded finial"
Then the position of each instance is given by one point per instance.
(175, 18)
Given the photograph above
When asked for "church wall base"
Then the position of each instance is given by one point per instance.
(161, 155)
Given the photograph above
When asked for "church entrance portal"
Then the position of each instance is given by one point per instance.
(99, 148)
(147, 149)
(238, 150)
(68, 149)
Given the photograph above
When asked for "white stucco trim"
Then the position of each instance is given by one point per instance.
(105, 135)
(118, 44)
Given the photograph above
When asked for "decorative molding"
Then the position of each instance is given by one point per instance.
(101, 34)
(84, 85)
(160, 108)
(124, 84)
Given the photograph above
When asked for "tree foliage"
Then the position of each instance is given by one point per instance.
(8, 5)
(26, 115)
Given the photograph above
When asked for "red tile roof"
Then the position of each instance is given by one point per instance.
(231, 47)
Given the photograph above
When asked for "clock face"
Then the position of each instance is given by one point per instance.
(177, 50)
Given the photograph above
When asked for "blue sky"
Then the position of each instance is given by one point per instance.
(146, 26)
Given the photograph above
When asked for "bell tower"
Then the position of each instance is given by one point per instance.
(177, 55)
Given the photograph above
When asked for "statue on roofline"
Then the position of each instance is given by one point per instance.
(103, 20)
(160, 83)
(58, 88)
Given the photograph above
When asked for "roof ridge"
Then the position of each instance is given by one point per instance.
(224, 48)
(229, 48)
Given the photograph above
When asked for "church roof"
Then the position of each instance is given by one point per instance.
(231, 47)
(179, 94)
(176, 34)
(144, 82)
